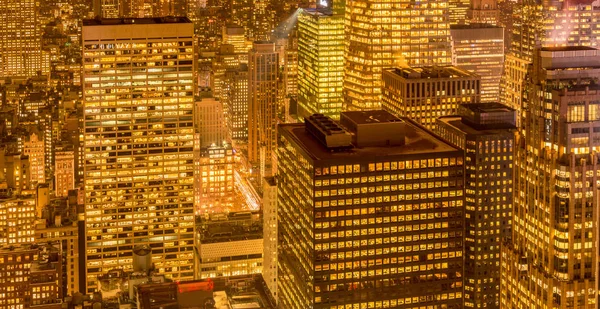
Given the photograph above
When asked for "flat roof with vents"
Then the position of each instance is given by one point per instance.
(133, 21)
(417, 141)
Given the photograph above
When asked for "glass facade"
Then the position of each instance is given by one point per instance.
(480, 49)
(320, 63)
(551, 24)
(138, 141)
(383, 34)
(363, 232)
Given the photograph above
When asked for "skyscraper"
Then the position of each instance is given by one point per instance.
(320, 63)
(486, 132)
(424, 94)
(384, 35)
(552, 257)
(226, 58)
(107, 8)
(484, 12)
(372, 216)
(269, 209)
(20, 39)
(138, 139)
(479, 48)
(236, 103)
(263, 66)
(210, 121)
(458, 11)
(554, 24)
(234, 35)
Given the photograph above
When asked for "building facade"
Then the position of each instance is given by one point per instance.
(479, 49)
(33, 147)
(138, 140)
(369, 219)
(554, 24)
(263, 66)
(484, 12)
(214, 176)
(269, 208)
(17, 220)
(320, 63)
(424, 94)
(236, 101)
(210, 123)
(551, 260)
(20, 39)
(64, 171)
(486, 132)
(230, 244)
(384, 35)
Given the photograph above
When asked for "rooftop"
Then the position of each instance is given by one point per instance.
(318, 11)
(136, 21)
(483, 118)
(457, 122)
(567, 48)
(233, 226)
(449, 71)
(271, 181)
(488, 107)
(376, 116)
(473, 26)
(236, 292)
(417, 141)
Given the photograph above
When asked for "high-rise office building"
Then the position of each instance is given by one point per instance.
(458, 11)
(554, 24)
(479, 48)
(424, 94)
(225, 59)
(484, 12)
(486, 132)
(20, 38)
(236, 103)
(107, 8)
(210, 122)
(372, 216)
(263, 66)
(242, 14)
(320, 62)
(269, 209)
(138, 139)
(263, 20)
(235, 36)
(551, 260)
(290, 65)
(384, 35)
